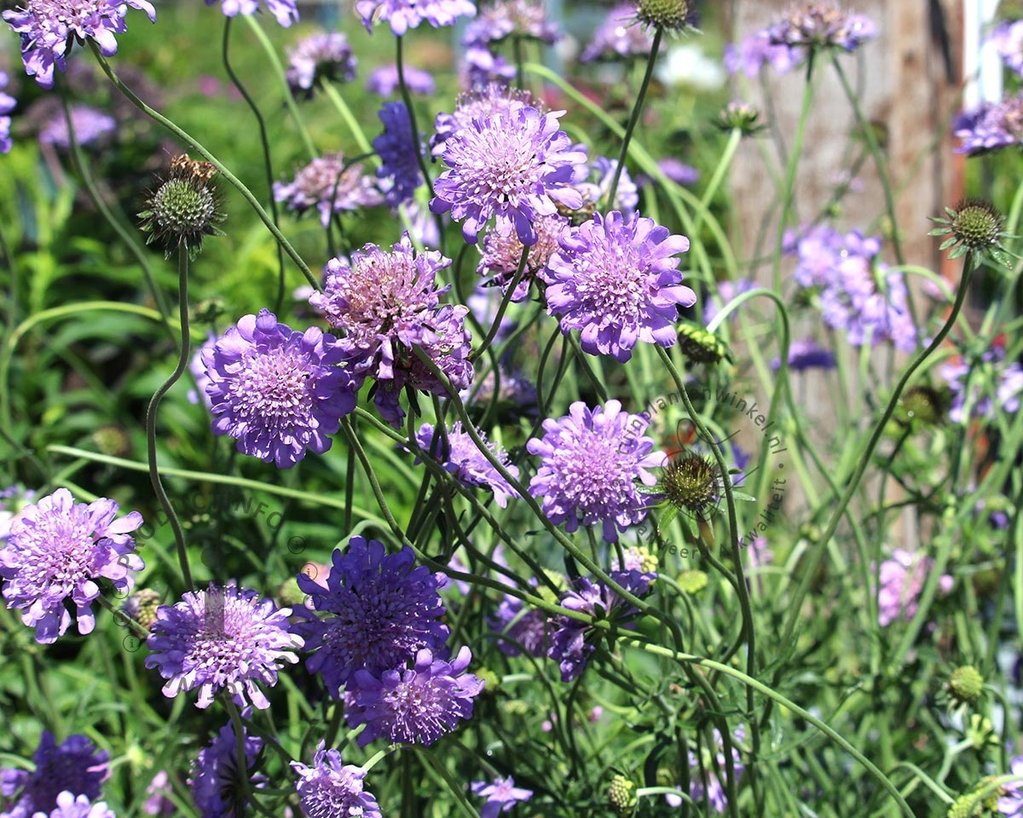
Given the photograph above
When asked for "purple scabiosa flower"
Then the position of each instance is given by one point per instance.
(594, 183)
(520, 628)
(618, 37)
(1008, 40)
(819, 251)
(158, 792)
(382, 608)
(571, 645)
(822, 25)
(991, 127)
(384, 80)
(417, 705)
(284, 11)
(901, 581)
(616, 280)
(223, 638)
(215, 775)
(7, 104)
(68, 806)
(481, 102)
(73, 766)
(462, 458)
(56, 551)
(481, 66)
(516, 166)
(405, 14)
(677, 171)
(590, 462)
(986, 376)
(1010, 802)
(526, 19)
(329, 789)
(755, 51)
(49, 28)
(807, 354)
(320, 57)
(398, 153)
(501, 795)
(329, 186)
(277, 391)
(726, 291)
(198, 370)
(502, 252)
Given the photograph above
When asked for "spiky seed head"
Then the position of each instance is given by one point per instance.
(977, 225)
(184, 208)
(672, 15)
(699, 345)
(690, 482)
(966, 684)
(740, 116)
(921, 404)
(621, 795)
(141, 606)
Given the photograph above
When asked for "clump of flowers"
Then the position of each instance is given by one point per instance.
(822, 25)
(184, 209)
(459, 455)
(398, 150)
(55, 553)
(330, 788)
(501, 19)
(330, 185)
(991, 127)
(902, 579)
(616, 280)
(90, 127)
(403, 15)
(215, 777)
(976, 386)
(223, 638)
(74, 766)
(385, 81)
(618, 37)
(320, 57)
(284, 11)
(520, 628)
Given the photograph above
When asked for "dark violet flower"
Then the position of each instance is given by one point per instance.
(482, 102)
(416, 705)
(511, 18)
(277, 391)
(501, 795)
(398, 153)
(516, 166)
(481, 66)
(158, 792)
(405, 14)
(91, 126)
(1008, 39)
(73, 766)
(902, 579)
(384, 80)
(223, 638)
(320, 57)
(571, 642)
(215, 775)
(755, 51)
(619, 37)
(49, 28)
(56, 551)
(807, 354)
(992, 127)
(7, 104)
(284, 11)
(502, 252)
(382, 609)
(616, 280)
(68, 806)
(326, 184)
(590, 462)
(520, 628)
(462, 458)
(822, 25)
(330, 789)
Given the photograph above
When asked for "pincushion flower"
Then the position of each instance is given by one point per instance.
(515, 166)
(501, 19)
(12, 500)
(590, 462)
(1008, 40)
(55, 553)
(330, 789)
(284, 11)
(7, 104)
(68, 806)
(385, 81)
(994, 126)
(822, 25)
(619, 37)
(756, 50)
(481, 66)
(90, 127)
(462, 458)
(330, 186)
(983, 387)
(1010, 802)
(616, 280)
(49, 28)
(214, 781)
(594, 183)
(501, 795)
(481, 102)
(416, 705)
(158, 791)
(277, 391)
(502, 252)
(320, 57)
(807, 354)
(74, 766)
(398, 153)
(381, 610)
(405, 14)
(223, 638)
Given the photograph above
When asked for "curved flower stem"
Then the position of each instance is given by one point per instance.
(267, 161)
(407, 98)
(637, 111)
(153, 409)
(863, 459)
(503, 308)
(231, 178)
(734, 138)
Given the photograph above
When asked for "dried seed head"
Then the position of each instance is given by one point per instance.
(184, 208)
(690, 482)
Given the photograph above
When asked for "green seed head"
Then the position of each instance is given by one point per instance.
(740, 116)
(184, 208)
(690, 482)
(920, 404)
(667, 14)
(621, 795)
(977, 225)
(966, 684)
(491, 681)
(980, 802)
(699, 345)
(290, 594)
(141, 606)
(692, 581)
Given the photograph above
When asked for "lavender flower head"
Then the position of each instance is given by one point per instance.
(49, 28)
(7, 104)
(158, 791)
(68, 806)
(1008, 39)
(990, 128)
(590, 462)
(91, 127)
(516, 166)
(501, 19)
(821, 249)
(320, 57)
(326, 184)
(501, 795)
(55, 552)
(215, 775)
(481, 102)
(416, 705)
(398, 152)
(822, 25)
(481, 66)
(726, 292)
(277, 391)
(405, 14)
(616, 280)
(502, 252)
(757, 50)
(330, 789)
(385, 81)
(618, 37)
(902, 579)
(223, 638)
(571, 645)
(383, 609)
(462, 458)
(74, 766)
(284, 11)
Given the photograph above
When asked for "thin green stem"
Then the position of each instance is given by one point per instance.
(495, 327)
